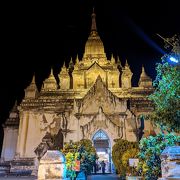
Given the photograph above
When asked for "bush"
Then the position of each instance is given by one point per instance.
(118, 149)
(130, 153)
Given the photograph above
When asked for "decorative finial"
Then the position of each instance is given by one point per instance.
(71, 61)
(77, 59)
(143, 70)
(119, 62)
(126, 64)
(33, 79)
(15, 106)
(93, 25)
(71, 64)
(112, 59)
(64, 65)
(51, 71)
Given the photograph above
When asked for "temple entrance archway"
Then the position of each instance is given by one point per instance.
(102, 145)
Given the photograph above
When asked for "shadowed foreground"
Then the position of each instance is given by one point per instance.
(92, 177)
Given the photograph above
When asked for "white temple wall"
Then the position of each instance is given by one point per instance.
(9, 144)
(74, 125)
(34, 134)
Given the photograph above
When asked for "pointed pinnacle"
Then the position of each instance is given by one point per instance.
(77, 59)
(51, 71)
(33, 79)
(118, 61)
(143, 70)
(112, 59)
(126, 64)
(15, 106)
(93, 25)
(64, 65)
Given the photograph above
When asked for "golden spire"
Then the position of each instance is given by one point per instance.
(63, 68)
(145, 80)
(143, 73)
(93, 25)
(119, 62)
(31, 91)
(71, 64)
(94, 47)
(71, 61)
(112, 59)
(126, 66)
(51, 74)
(77, 59)
(50, 82)
(14, 109)
(33, 79)
(64, 65)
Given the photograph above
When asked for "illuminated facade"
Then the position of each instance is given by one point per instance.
(95, 101)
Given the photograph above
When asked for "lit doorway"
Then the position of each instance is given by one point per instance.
(102, 145)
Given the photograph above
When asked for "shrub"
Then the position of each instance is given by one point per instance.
(130, 153)
(118, 149)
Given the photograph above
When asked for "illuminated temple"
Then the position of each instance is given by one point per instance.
(94, 100)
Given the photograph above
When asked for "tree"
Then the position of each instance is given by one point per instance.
(166, 114)
(166, 97)
(150, 150)
(82, 151)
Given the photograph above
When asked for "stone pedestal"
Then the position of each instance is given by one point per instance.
(52, 166)
(22, 166)
(170, 163)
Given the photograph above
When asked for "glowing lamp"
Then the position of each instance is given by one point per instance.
(173, 59)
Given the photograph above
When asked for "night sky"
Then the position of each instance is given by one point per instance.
(36, 37)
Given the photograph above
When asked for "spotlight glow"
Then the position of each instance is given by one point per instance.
(173, 59)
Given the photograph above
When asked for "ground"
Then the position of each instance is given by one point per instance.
(93, 177)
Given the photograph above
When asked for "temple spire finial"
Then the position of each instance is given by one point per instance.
(51, 71)
(143, 70)
(93, 25)
(33, 79)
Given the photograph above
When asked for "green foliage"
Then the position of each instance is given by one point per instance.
(83, 151)
(70, 151)
(118, 149)
(150, 150)
(70, 164)
(130, 153)
(87, 156)
(166, 97)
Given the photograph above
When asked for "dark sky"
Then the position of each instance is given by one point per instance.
(36, 37)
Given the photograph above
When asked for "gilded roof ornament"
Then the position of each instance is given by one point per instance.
(119, 62)
(112, 59)
(77, 59)
(93, 25)
(33, 79)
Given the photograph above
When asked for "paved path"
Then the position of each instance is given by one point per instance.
(104, 177)
(92, 177)
(16, 178)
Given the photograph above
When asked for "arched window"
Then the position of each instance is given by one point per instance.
(100, 135)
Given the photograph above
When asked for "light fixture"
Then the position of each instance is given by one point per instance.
(173, 59)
